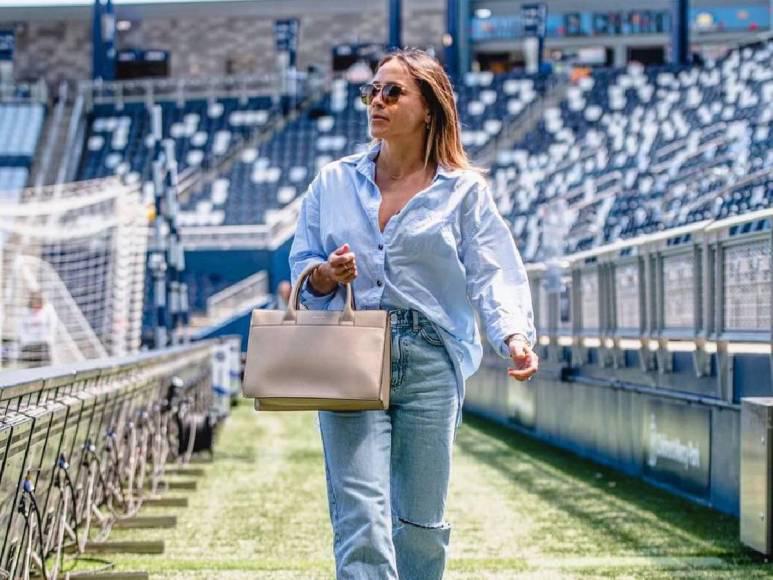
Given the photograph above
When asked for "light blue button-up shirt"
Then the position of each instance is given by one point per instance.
(446, 251)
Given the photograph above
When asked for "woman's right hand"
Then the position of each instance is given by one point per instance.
(342, 265)
(340, 268)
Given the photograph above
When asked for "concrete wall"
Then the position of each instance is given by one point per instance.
(618, 427)
(213, 39)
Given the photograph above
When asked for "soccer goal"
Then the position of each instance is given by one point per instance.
(72, 269)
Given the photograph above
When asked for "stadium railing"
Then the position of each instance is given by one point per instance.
(180, 90)
(103, 414)
(648, 346)
(36, 92)
(238, 296)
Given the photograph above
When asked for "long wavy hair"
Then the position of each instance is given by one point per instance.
(444, 143)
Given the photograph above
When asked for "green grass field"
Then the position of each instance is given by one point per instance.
(519, 509)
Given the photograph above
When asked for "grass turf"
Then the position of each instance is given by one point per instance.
(519, 509)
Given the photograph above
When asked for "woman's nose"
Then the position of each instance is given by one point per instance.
(377, 98)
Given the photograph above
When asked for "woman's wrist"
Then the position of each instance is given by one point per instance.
(517, 336)
(319, 283)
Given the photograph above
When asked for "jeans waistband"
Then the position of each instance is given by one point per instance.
(407, 318)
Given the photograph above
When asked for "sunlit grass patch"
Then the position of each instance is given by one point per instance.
(518, 509)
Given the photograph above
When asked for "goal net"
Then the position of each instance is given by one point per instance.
(72, 267)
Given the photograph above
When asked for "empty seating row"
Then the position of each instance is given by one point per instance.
(636, 150)
(21, 125)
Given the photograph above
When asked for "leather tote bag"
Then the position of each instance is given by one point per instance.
(327, 360)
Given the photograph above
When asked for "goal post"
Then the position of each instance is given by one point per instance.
(72, 271)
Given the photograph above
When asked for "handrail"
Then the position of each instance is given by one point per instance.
(244, 291)
(653, 392)
(616, 246)
(150, 90)
(52, 139)
(72, 140)
(97, 405)
(21, 382)
(37, 92)
(728, 189)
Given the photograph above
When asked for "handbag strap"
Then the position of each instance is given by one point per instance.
(291, 315)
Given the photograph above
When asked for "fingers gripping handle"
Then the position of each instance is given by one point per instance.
(294, 304)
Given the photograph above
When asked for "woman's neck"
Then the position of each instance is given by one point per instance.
(396, 160)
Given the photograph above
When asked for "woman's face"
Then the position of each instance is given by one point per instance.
(404, 118)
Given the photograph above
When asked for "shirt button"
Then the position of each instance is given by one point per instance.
(379, 283)
(381, 246)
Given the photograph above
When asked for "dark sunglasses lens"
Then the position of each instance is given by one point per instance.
(367, 92)
(391, 92)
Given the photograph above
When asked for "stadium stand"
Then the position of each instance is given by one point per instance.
(118, 138)
(273, 175)
(625, 152)
(21, 124)
(635, 150)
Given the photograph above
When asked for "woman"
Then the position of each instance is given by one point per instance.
(414, 229)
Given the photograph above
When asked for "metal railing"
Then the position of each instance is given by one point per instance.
(705, 288)
(244, 293)
(35, 92)
(278, 227)
(178, 89)
(53, 138)
(112, 424)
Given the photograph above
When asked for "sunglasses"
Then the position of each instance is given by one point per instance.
(390, 92)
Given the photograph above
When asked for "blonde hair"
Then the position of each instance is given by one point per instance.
(444, 143)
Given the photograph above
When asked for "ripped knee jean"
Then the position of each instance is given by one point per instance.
(387, 471)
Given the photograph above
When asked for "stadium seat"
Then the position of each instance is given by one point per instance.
(637, 150)
(21, 125)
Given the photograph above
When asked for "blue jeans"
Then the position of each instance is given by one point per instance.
(387, 471)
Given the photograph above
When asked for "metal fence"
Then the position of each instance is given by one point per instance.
(647, 348)
(71, 418)
(698, 288)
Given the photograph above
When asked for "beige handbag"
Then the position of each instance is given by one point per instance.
(318, 359)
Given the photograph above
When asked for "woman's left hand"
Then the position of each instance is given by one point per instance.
(526, 360)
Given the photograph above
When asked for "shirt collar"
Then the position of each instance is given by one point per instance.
(366, 163)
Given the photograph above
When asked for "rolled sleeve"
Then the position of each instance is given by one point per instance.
(497, 283)
(307, 248)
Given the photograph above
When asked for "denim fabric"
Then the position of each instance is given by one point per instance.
(388, 471)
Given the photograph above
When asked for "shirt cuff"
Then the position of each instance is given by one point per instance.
(311, 290)
(313, 300)
(522, 335)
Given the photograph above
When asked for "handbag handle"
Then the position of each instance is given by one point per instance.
(347, 315)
